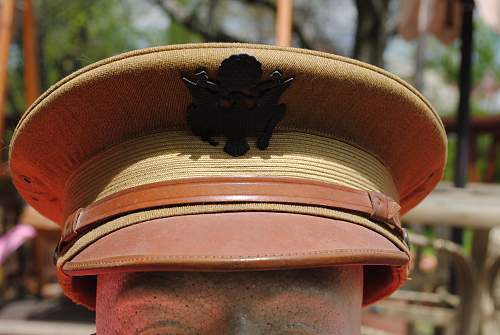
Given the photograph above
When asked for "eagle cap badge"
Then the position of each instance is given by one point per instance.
(237, 104)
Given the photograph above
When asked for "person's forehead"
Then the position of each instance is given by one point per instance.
(278, 280)
(266, 302)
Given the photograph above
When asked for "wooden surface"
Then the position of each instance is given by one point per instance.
(477, 206)
(284, 19)
(31, 217)
(31, 80)
(24, 327)
(6, 25)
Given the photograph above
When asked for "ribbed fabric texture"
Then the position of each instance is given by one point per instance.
(179, 155)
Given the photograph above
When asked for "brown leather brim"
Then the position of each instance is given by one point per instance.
(235, 241)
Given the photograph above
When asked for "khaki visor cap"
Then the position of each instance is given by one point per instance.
(110, 154)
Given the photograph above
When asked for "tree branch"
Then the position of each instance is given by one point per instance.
(189, 20)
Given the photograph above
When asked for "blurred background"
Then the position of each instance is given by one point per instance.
(448, 49)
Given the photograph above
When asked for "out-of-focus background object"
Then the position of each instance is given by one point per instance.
(448, 49)
(490, 12)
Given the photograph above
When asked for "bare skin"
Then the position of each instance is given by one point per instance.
(291, 302)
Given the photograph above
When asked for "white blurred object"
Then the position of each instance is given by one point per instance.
(490, 12)
(23, 327)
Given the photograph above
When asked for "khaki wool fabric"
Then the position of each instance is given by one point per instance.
(331, 96)
(122, 123)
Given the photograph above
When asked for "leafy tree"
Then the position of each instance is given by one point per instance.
(76, 33)
(73, 34)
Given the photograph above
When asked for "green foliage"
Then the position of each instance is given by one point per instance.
(485, 59)
(177, 33)
(73, 34)
(76, 33)
(449, 63)
(15, 84)
(450, 163)
(483, 144)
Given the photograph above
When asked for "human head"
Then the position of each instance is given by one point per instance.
(305, 302)
(160, 168)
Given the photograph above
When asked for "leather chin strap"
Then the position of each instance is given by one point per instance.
(374, 205)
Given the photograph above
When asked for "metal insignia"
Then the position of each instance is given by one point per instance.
(236, 105)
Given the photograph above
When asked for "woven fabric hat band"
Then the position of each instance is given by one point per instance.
(176, 155)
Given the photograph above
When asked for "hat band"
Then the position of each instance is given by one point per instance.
(177, 155)
(233, 190)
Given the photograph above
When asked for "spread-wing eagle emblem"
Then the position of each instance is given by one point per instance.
(236, 105)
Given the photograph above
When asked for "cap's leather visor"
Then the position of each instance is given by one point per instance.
(238, 241)
(235, 241)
